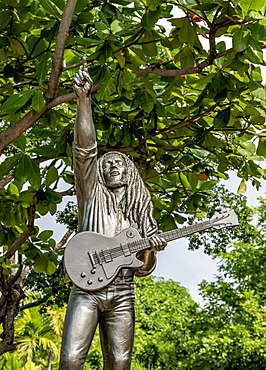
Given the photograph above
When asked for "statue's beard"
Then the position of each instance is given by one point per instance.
(113, 184)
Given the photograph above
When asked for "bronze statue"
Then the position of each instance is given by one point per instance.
(111, 197)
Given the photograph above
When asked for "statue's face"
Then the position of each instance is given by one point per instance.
(114, 171)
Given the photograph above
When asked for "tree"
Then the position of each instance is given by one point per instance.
(185, 113)
(38, 337)
(229, 333)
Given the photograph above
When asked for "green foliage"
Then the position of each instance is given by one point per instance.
(164, 311)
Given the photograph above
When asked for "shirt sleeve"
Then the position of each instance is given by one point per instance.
(85, 171)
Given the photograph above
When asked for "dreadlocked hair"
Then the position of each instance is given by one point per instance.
(138, 208)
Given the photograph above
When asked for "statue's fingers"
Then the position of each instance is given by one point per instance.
(87, 86)
(163, 242)
(88, 77)
(84, 64)
(80, 74)
(77, 81)
(75, 87)
(152, 243)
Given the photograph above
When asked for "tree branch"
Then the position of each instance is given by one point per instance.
(31, 304)
(181, 124)
(59, 50)
(5, 180)
(69, 191)
(30, 230)
(63, 240)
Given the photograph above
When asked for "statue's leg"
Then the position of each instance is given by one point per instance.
(80, 325)
(117, 328)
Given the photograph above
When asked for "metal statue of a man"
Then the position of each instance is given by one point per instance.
(111, 197)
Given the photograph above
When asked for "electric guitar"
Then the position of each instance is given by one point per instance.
(93, 260)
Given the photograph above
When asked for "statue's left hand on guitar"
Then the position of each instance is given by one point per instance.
(157, 243)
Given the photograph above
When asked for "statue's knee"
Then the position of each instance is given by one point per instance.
(118, 363)
(70, 361)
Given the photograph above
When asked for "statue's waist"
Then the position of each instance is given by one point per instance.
(124, 276)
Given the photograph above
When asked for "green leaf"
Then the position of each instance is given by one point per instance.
(261, 150)
(52, 176)
(242, 187)
(109, 86)
(12, 188)
(50, 268)
(41, 263)
(52, 196)
(246, 149)
(81, 4)
(207, 185)
(248, 5)
(159, 203)
(240, 39)
(51, 8)
(88, 41)
(257, 90)
(24, 169)
(184, 181)
(219, 82)
(45, 133)
(18, 46)
(150, 18)
(102, 28)
(187, 33)
(45, 235)
(38, 101)
(42, 67)
(251, 54)
(153, 4)
(9, 164)
(185, 57)
(21, 142)
(28, 170)
(167, 222)
(116, 26)
(45, 150)
(17, 101)
(222, 118)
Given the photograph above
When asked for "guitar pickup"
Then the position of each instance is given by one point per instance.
(107, 256)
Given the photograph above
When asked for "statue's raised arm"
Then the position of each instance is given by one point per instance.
(84, 133)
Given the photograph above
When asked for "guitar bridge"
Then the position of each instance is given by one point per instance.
(92, 260)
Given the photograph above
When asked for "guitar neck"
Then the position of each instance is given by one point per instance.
(142, 244)
(186, 230)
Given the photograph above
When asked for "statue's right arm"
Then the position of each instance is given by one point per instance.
(85, 145)
(84, 131)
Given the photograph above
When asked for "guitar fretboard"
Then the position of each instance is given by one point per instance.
(136, 246)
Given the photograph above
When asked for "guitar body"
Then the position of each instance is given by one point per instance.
(90, 265)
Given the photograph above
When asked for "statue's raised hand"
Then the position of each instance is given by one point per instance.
(82, 83)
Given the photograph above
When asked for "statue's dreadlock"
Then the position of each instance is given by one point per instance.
(139, 206)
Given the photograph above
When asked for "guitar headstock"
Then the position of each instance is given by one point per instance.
(226, 219)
